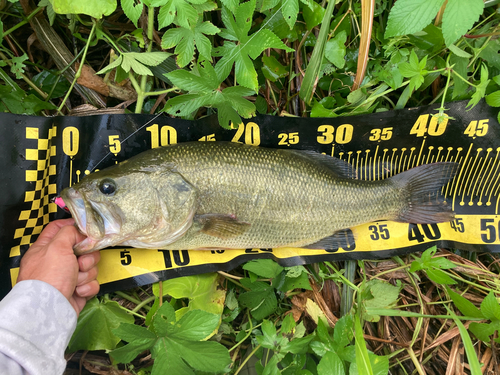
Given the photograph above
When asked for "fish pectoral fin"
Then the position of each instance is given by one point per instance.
(343, 238)
(221, 226)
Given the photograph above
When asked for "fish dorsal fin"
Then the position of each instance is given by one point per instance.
(221, 226)
(343, 238)
(341, 168)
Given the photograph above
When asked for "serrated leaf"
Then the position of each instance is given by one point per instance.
(94, 330)
(183, 10)
(149, 58)
(490, 307)
(290, 9)
(459, 17)
(111, 66)
(482, 331)
(195, 325)
(93, 8)
(129, 62)
(263, 267)
(480, 88)
(248, 48)
(410, 16)
(132, 10)
(343, 332)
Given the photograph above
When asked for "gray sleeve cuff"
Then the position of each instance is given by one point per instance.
(36, 324)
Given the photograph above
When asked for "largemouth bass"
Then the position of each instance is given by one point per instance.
(218, 195)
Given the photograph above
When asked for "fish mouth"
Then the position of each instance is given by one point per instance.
(96, 220)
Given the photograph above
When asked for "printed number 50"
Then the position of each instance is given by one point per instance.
(491, 230)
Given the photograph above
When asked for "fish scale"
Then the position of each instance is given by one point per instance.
(269, 197)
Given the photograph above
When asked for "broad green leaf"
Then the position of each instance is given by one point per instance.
(483, 331)
(314, 16)
(268, 339)
(465, 306)
(94, 330)
(343, 331)
(202, 291)
(380, 365)
(165, 361)
(15, 100)
(459, 17)
(288, 324)
(300, 282)
(379, 294)
(263, 267)
(331, 364)
(335, 49)
(139, 339)
(93, 8)
(207, 356)
(46, 80)
(149, 58)
(490, 307)
(272, 69)
(410, 16)
(195, 325)
(459, 67)
(129, 62)
(493, 99)
(290, 9)
(163, 320)
(261, 299)
(132, 10)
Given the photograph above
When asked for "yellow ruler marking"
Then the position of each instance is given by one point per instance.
(459, 176)
(482, 175)
(491, 184)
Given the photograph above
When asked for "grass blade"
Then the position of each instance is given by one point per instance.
(312, 72)
(367, 11)
(362, 359)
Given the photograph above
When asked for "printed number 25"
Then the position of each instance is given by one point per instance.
(379, 231)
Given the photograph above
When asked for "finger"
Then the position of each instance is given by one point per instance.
(86, 277)
(67, 237)
(87, 261)
(88, 290)
(52, 229)
(78, 303)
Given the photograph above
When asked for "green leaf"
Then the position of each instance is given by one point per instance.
(184, 11)
(483, 331)
(410, 16)
(480, 88)
(290, 9)
(249, 47)
(493, 99)
(93, 8)
(314, 16)
(288, 324)
(261, 300)
(439, 277)
(343, 332)
(490, 307)
(459, 67)
(272, 69)
(202, 291)
(465, 306)
(46, 80)
(459, 17)
(263, 267)
(331, 364)
(18, 65)
(132, 10)
(207, 356)
(195, 325)
(94, 330)
(335, 49)
(139, 339)
(378, 294)
(472, 357)
(362, 360)
(458, 51)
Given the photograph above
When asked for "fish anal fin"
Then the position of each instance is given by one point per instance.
(221, 226)
(341, 239)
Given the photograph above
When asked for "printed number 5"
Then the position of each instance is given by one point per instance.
(114, 144)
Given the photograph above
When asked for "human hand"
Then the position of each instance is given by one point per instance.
(51, 259)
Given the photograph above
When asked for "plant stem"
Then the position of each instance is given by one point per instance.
(247, 359)
(79, 72)
(247, 335)
(23, 22)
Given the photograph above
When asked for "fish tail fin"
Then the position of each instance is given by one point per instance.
(423, 202)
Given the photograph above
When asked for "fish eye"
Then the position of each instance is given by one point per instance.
(107, 186)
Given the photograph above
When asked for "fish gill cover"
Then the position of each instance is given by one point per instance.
(41, 156)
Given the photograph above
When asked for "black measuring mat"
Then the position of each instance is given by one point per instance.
(41, 156)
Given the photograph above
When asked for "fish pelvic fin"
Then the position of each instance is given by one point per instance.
(221, 226)
(423, 202)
